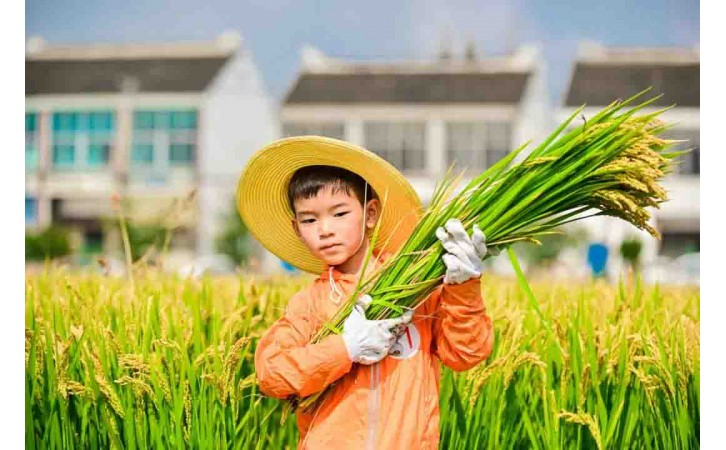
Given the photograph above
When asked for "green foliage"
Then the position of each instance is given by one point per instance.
(611, 165)
(143, 236)
(630, 250)
(170, 364)
(551, 246)
(154, 234)
(234, 240)
(51, 242)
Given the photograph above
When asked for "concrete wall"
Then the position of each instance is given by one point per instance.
(237, 118)
(534, 115)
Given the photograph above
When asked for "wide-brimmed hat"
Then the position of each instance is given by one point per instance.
(263, 203)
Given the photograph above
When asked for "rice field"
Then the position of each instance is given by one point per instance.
(168, 363)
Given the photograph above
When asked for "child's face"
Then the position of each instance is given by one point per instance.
(331, 226)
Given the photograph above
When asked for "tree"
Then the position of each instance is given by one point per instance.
(150, 238)
(630, 250)
(143, 237)
(52, 242)
(545, 254)
(234, 240)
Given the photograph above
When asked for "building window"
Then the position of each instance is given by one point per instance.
(31, 211)
(92, 242)
(82, 140)
(164, 138)
(142, 154)
(675, 244)
(403, 144)
(330, 129)
(31, 142)
(477, 145)
(690, 163)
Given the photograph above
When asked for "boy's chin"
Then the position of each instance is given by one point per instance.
(334, 260)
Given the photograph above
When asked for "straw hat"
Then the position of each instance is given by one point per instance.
(262, 194)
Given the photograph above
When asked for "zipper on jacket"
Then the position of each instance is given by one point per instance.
(373, 405)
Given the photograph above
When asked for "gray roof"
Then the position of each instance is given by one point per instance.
(598, 84)
(160, 74)
(344, 88)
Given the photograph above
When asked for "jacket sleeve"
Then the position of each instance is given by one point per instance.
(463, 335)
(285, 362)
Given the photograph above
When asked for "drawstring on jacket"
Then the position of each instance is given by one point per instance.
(336, 294)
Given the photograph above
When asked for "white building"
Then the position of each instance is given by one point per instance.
(151, 122)
(601, 75)
(422, 115)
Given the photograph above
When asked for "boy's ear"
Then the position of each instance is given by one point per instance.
(373, 211)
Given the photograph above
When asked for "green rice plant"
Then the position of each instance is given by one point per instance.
(170, 364)
(167, 365)
(610, 165)
(628, 376)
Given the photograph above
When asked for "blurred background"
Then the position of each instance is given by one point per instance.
(139, 117)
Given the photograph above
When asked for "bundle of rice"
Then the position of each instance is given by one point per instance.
(610, 165)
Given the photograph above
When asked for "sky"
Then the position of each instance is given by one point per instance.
(276, 30)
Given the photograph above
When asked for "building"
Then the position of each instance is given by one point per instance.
(153, 123)
(422, 116)
(601, 75)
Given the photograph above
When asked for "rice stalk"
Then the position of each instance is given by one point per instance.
(611, 165)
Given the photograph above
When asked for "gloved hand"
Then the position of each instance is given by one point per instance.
(368, 341)
(464, 255)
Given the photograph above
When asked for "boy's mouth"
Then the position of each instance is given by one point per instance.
(328, 247)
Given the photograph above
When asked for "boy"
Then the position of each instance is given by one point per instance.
(314, 202)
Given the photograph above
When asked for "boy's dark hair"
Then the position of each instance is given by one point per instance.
(307, 181)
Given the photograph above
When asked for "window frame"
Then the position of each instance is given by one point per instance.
(478, 145)
(158, 134)
(32, 141)
(692, 160)
(402, 143)
(77, 132)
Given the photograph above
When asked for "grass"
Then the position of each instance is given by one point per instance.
(169, 364)
(610, 165)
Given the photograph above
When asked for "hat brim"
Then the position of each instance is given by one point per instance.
(263, 205)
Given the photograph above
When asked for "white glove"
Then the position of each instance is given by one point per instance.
(464, 255)
(368, 341)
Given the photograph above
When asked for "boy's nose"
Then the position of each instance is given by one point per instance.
(325, 228)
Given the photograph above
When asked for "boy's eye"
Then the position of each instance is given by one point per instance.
(308, 221)
(341, 214)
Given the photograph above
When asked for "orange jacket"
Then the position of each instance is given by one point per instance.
(387, 405)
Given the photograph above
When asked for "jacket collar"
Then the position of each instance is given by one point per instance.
(373, 264)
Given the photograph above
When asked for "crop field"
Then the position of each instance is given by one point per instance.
(167, 362)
